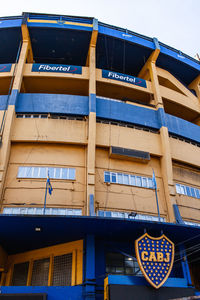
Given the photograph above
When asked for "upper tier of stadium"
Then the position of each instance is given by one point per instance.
(117, 49)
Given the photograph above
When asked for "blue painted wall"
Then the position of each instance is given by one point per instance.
(53, 292)
(105, 109)
(3, 100)
(52, 103)
(10, 23)
(183, 128)
(129, 113)
(134, 280)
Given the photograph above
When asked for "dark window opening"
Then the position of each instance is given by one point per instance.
(40, 272)
(20, 274)
(117, 263)
(62, 270)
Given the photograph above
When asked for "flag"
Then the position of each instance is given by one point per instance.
(48, 185)
(154, 181)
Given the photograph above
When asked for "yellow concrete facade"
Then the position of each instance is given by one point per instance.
(85, 145)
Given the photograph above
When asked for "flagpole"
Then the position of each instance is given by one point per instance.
(155, 188)
(45, 199)
(157, 204)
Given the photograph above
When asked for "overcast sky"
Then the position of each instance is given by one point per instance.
(174, 22)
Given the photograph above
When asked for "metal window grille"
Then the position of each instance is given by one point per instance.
(40, 272)
(20, 274)
(62, 270)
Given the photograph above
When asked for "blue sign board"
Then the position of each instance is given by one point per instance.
(124, 78)
(56, 68)
(5, 67)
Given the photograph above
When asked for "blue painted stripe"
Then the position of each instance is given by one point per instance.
(134, 280)
(92, 103)
(105, 109)
(10, 23)
(179, 56)
(95, 24)
(50, 103)
(156, 42)
(53, 292)
(113, 110)
(5, 67)
(90, 257)
(162, 117)
(13, 97)
(128, 37)
(92, 208)
(3, 101)
(183, 128)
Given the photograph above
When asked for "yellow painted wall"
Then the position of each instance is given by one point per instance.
(29, 191)
(62, 143)
(126, 198)
(112, 135)
(55, 85)
(50, 130)
(189, 207)
(185, 152)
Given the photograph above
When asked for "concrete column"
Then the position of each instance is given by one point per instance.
(91, 147)
(90, 280)
(166, 160)
(10, 113)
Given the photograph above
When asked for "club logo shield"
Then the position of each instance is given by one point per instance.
(155, 257)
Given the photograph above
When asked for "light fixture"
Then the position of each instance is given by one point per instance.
(38, 229)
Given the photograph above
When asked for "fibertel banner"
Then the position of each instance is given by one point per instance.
(125, 78)
(56, 68)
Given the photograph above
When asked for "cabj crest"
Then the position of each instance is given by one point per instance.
(155, 257)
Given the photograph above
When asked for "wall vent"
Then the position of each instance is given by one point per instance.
(129, 154)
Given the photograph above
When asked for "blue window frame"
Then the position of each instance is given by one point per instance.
(188, 191)
(128, 179)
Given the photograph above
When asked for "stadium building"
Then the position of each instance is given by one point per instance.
(99, 162)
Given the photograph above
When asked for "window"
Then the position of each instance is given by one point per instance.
(40, 210)
(40, 272)
(192, 223)
(50, 266)
(127, 179)
(20, 273)
(62, 270)
(117, 263)
(41, 172)
(188, 191)
(125, 215)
